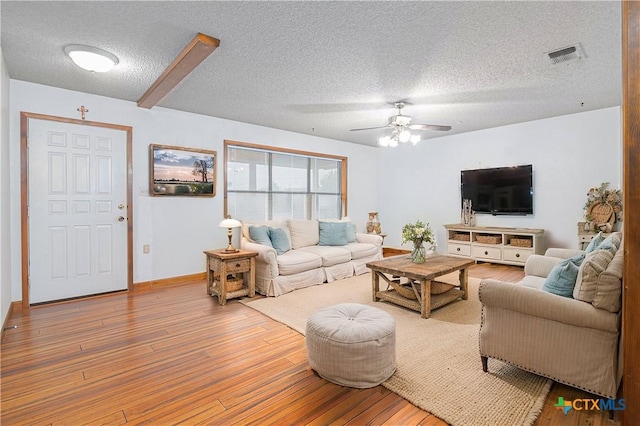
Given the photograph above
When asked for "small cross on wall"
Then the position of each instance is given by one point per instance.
(83, 111)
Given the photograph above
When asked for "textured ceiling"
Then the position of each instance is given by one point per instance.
(323, 68)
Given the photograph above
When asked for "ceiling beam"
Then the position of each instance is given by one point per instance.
(191, 56)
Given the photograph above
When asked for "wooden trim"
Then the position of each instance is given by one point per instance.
(24, 203)
(280, 149)
(14, 306)
(631, 206)
(343, 170)
(24, 192)
(344, 176)
(129, 133)
(184, 279)
(225, 210)
(191, 56)
(138, 287)
(393, 251)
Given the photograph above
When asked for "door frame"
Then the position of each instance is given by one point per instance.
(24, 192)
(631, 205)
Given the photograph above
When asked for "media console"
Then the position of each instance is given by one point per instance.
(511, 246)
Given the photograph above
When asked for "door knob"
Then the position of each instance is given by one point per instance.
(121, 206)
(120, 219)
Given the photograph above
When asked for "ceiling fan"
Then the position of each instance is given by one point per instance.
(401, 125)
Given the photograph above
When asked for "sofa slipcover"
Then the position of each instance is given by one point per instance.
(307, 263)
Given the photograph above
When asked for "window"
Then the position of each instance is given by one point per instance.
(263, 183)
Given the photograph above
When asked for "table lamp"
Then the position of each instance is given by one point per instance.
(230, 224)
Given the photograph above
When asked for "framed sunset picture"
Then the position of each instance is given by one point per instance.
(179, 171)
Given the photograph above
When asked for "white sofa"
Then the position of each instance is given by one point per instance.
(308, 262)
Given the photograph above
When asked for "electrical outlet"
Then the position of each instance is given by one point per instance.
(146, 248)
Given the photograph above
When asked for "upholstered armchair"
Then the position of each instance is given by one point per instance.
(574, 340)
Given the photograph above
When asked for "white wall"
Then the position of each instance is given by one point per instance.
(178, 229)
(569, 154)
(5, 226)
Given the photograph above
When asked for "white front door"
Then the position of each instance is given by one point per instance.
(76, 210)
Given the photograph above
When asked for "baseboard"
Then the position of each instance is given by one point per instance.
(16, 306)
(13, 307)
(184, 279)
(391, 251)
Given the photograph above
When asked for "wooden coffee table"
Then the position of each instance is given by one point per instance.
(410, 283)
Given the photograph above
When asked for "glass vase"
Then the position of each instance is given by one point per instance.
(418, 254)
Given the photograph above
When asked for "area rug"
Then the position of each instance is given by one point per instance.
(439, 367)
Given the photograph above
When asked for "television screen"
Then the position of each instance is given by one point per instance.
(500, 190)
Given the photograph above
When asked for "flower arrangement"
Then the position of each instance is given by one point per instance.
(418, 233)
(604, 195)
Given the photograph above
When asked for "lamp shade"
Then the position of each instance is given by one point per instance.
(230, 223)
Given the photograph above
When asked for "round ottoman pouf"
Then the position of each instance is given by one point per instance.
(352, 345)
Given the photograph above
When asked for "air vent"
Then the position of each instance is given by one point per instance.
(566, 54)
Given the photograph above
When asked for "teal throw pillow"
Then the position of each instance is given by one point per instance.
(562, 278)
(333, 234)
(260, 234)
(351, 232)
(279, 240)
(594, 243)
(611, 243)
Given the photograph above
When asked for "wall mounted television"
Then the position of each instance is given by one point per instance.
(499, 190)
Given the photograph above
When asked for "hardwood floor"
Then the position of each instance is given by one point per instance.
(172, 355)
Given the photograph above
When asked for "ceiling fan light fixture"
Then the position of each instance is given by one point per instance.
(401, 126)
(91, 58)
(384, 141)
(404, 136)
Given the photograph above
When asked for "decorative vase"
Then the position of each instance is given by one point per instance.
(373, 226)
(377, 228)
(419, 253)
(467, 216)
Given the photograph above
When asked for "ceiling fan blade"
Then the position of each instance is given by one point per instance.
(429, 127)
(371, 128)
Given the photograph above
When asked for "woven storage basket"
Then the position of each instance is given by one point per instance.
(403, 290)
(438, 287)
(489, 239)
(233, 284)
(461, 237)
(521, 242)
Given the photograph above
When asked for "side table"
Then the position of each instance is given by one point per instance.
(231, 275)
(585, 237)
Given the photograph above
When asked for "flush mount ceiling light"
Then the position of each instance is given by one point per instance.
(91, 58)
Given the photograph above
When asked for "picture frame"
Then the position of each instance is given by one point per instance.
(181, 171)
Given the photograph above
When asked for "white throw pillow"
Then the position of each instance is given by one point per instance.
(593, 265)
(304, 233)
